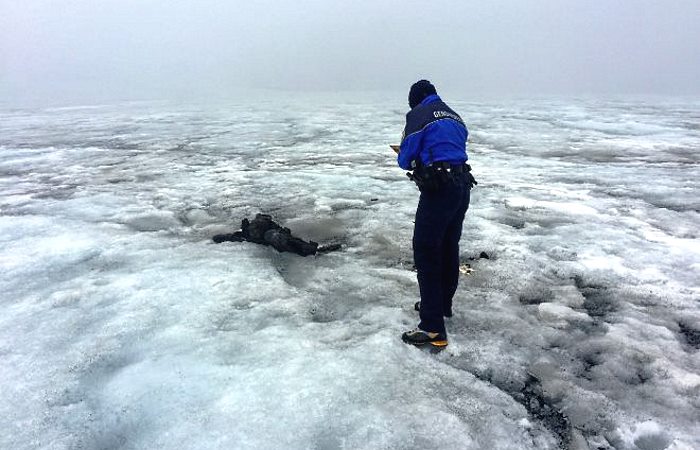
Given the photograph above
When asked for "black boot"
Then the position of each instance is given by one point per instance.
(419, 337)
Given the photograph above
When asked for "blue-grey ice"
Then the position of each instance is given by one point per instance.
(124, 326)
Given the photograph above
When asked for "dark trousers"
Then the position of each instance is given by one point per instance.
(436, 237)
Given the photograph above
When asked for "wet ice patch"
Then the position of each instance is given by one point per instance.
(318, 229)
(559, 315)
(152, 221)
(558, 207)
(646, 436)
(327, 205)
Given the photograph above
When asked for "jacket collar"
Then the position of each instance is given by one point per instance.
(430, 99)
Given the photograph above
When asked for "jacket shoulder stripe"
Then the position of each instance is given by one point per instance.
(430, 123)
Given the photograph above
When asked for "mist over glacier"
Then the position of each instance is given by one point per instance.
(124, 326)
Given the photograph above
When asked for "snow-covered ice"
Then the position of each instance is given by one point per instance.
(124, 326)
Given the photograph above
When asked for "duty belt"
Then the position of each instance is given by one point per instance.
(454, 168)
(439, 174)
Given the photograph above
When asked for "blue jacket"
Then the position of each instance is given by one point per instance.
(434, 132)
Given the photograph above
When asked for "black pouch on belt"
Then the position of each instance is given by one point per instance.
(426, 179)
(471, 181)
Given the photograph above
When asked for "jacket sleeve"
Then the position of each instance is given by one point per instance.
(410, 147)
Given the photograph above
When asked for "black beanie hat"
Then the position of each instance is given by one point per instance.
(419, 91)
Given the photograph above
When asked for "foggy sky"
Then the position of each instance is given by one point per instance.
(152, 49)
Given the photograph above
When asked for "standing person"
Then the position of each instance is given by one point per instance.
(434, 147)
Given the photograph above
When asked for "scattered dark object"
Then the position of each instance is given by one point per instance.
(535, 400)
(373, 199)
(598, 301)
(482, 255)
(531, 298)
(466, 269)
(692, 335)
(265, 231)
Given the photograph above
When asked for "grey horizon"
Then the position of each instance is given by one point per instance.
(142, 50)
